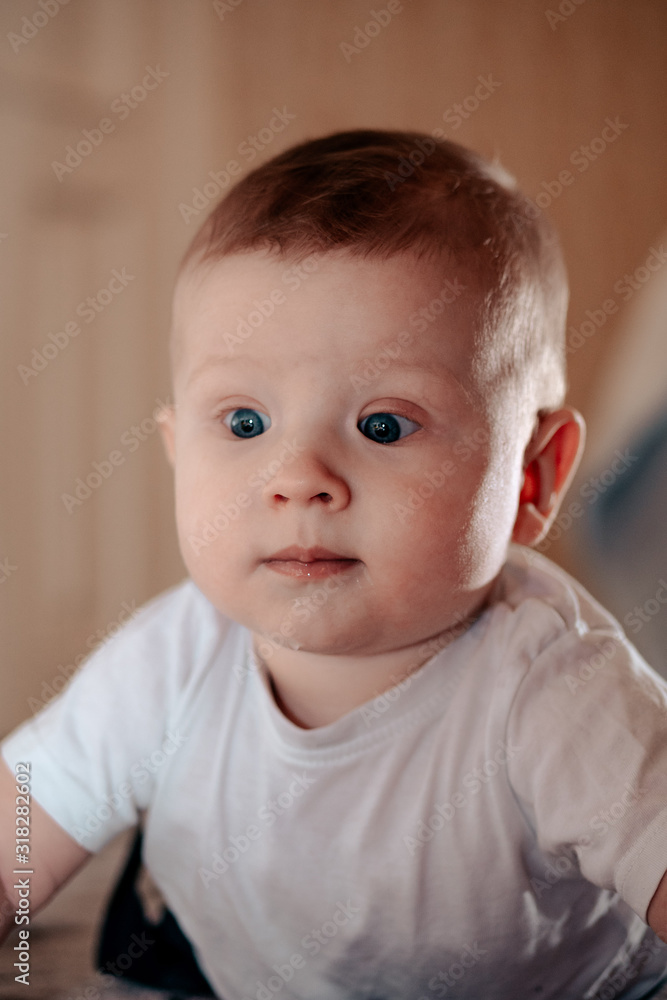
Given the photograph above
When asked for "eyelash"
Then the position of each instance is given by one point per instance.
(228, 419)
(383, 418)
(392, 422)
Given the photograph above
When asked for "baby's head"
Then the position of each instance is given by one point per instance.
(369, 377)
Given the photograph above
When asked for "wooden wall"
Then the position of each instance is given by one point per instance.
(554, 76)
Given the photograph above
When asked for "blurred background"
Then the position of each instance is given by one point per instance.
(120, 122)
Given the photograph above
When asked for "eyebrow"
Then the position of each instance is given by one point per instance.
(418, 366)
(426, 367)
(214, 361)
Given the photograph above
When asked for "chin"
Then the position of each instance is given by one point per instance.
(317, 638)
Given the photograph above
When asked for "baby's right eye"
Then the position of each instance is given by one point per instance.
(247, 423)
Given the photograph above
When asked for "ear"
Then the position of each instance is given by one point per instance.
(550, 461)
(166, 420)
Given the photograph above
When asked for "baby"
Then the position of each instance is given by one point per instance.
(380, 748)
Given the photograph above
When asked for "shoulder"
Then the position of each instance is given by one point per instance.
(589, 716)
(530, 577)
(568, 636)
(587, 695)
(536, 607)
(564, 662)
(138, 699)
(163, 649)
(181, 613)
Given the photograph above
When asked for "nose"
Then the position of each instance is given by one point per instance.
(307, 480)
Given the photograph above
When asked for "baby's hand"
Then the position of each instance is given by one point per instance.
(35, 846)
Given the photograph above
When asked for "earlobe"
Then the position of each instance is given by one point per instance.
(165, 419)
(550, 462)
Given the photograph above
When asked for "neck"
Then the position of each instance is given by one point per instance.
(315, 689)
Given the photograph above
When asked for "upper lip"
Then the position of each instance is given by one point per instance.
(295, 552)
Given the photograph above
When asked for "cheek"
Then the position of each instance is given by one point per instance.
(207, 515)
(489, 528)
(422, 535)
(195, 496)
(202, 486)
(454, 529)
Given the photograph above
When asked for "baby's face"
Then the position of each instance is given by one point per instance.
(342, 484)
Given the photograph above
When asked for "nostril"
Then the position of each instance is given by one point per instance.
(281, 498)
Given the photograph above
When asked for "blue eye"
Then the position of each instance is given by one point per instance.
(385, 428)
(246, 423)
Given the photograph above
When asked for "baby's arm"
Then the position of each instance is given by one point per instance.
(54, 855)
(657, 911)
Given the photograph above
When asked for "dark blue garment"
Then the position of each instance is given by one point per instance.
(168, 962)
(624, 543)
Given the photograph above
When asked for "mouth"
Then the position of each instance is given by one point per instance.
(310, 564)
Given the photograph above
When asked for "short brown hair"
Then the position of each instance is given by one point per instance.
(380, 193)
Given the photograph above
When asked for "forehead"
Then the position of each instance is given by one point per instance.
(331, 311)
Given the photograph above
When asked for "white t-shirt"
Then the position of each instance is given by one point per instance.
(493, 827)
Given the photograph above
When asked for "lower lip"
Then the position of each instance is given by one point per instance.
(310, 571)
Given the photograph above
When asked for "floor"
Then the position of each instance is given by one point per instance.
(63, 938)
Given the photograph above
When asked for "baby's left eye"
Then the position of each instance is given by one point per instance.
(384, 428)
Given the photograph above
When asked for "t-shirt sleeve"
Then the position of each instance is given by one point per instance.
(591, 718)
(96, 750)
